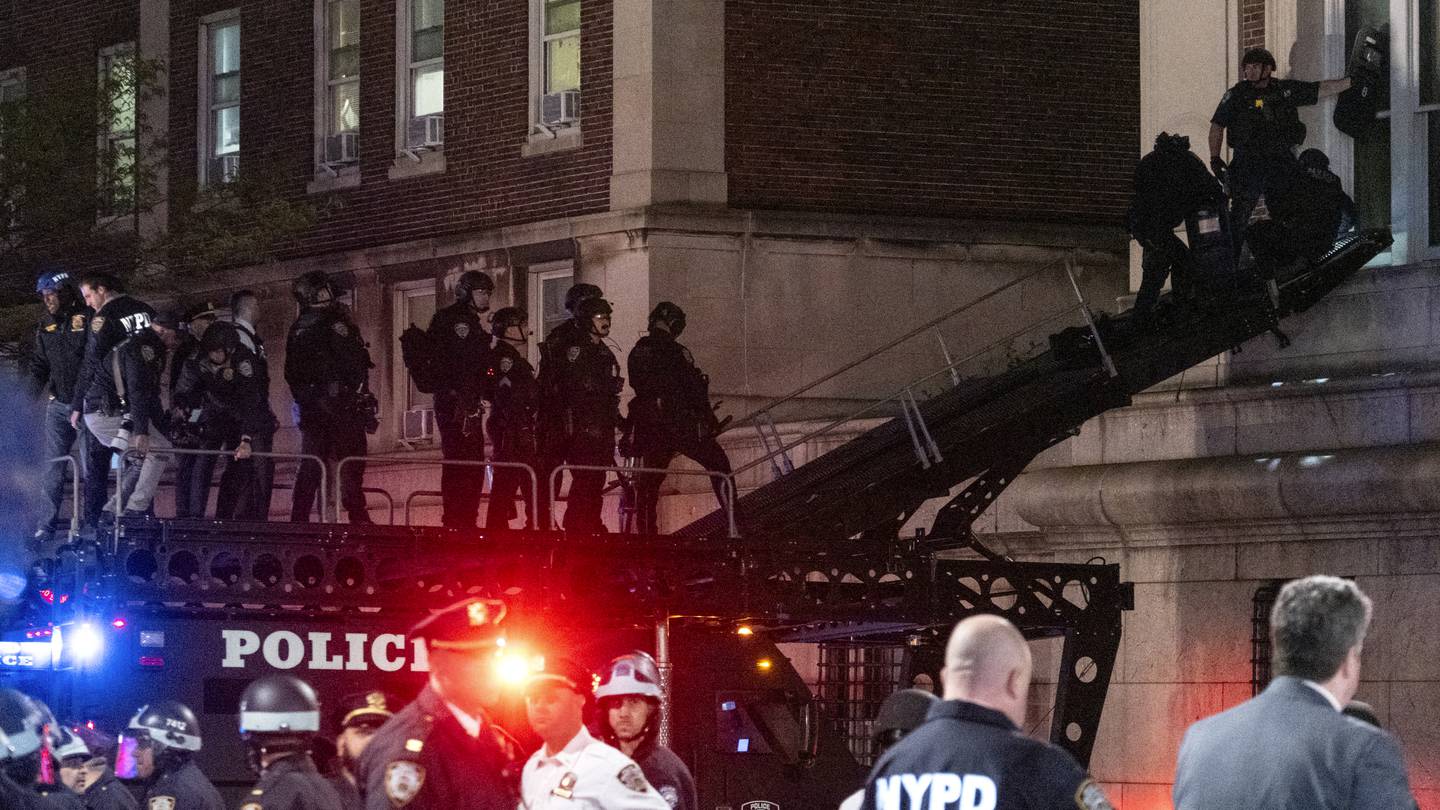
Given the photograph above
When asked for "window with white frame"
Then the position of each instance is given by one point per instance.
(555, 62)
(337, 55)
(413, 302)
(548, 284)
(118, 85)
(422, 81)
(219, 131)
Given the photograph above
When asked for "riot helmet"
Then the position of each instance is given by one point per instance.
(505, 318)
(168, 725)
(313, 289)
(1165, 142)
(22, 736)
(634, 673)
(578, 293)
(1257, 56)
(671, 315)
(591, 309)
(1313, 160)
(68, 745)
(53, 279)
(279, 714)
(470, 282)
(900, 714)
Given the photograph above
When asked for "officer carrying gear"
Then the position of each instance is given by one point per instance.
(513, 426)
(629, 696)
(168, 735)
(458, 338)
(588, 384)
(1307, 210)
(443, 752)
(245, 486)
(123, 408)
(21, 741)
(553, 353)
(327, 365)
(190, 427)
(60, 338)
(279, 718)
(1171, 184)
(671, 411)
(360, 716)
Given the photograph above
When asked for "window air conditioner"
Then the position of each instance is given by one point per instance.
(419, 424)
(560, 108)
(427, 131)
(224, 168)
(342, 148)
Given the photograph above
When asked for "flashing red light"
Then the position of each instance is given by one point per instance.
(151, 661)
(43, 632)
(118, 624)
(47, 595)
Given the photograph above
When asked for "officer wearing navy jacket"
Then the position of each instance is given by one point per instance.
(443, 751)
(970, 751)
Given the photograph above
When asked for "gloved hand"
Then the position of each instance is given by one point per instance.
(1217, 166)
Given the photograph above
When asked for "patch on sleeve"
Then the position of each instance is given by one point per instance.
(632, 777)
(573, 354)
(403, 780)
(689, 358)
(1089, 796)
(506, 364)
(77, 322)
(1225, 97)
(97, 323)
(462, 330)
(341, 329)
(161, 803)
(148, 353)
(670, 795)
(246, 369)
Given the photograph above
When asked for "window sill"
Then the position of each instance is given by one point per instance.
(563, 140)
(347, 177)
(432, 161)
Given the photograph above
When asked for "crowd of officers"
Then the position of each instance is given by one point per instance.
(120, 375)
(442, 751)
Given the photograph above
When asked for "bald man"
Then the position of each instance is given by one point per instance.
(970, 753)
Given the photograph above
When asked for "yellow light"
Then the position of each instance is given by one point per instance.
(763, 665)
(744, 630)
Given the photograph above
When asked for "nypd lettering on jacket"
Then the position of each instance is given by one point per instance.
(316, 650)
(940, 791)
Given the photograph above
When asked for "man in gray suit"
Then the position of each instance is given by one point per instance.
(1290, 746)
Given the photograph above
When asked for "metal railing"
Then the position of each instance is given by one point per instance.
(132, 453)
(75, 494)
(903, 400)
(389, 501)
(410, 499)
(727, 485)
(442, 463)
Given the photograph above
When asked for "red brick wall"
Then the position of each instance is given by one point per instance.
(1001, 109)
(487, 183)
(1252, 24)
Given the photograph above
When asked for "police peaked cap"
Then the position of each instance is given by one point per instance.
(473, 624)
(168, 317)
(365, 708)
(564, 672)
(279, 704)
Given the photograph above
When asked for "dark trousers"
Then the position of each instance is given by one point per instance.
(193, 476)
(462, 438)
(1163, 255)
(92, 456)
(245, 486)
(331, 439)
(592, 444)
(707, 453)
(1250, 173)
(505, 486)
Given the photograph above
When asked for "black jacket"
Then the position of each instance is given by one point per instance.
(122, 317)
(965, 747)
(455, 771)
(672, 400)
(460, 340)
(140, 360)
(59, 797)
(325, 357)
(292, 783)
(512, 387)
(108, 793)
(59, 350)
(668, 774)
(187, 788)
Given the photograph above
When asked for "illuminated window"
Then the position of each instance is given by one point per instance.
(220, 98)
(422, 86)
(118, 87)
(338, 58)
(555, 63)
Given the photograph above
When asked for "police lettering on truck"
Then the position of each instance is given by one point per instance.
(317, 650)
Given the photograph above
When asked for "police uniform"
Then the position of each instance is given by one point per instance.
(327, 366)
(1263, 127)
(292, 783)
(126, 388)
(59, 797)
(670, 414)
(108, 793)
(587, 773)
(121, 317)
(251, 487)
(1307, 208)
(348, 792)
(235, 394)
(552, 436)
(15, 797)
(184, 788)
(424, 758)
(461, 340)
(973, 756)
(589, 384)
(371, 709)
(513, 428)
(1170, 184)
(192, 428)
(668, 775)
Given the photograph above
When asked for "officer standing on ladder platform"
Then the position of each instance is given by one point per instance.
(629, 696)
(191, 428)
(327, 365)
(513, 426)
(462, 347)
(279, 718)
(246, 484)
(553, 352)
(168, 735)
(589, 383)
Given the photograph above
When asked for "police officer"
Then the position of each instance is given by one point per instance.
(899, 714)
(553, 352)
(246, 484)
(1171, 184)
(573, 769)
(1260, 116)
(279, 718)
(327, 365)
(513, 426)
(671, 411)
(21, 742)
(168, 735)
(60, 338)
(361, 715)
(629, 696)
(1307, 210)
(459, 336)
(85, 769)
(232, 389)
(123, 409)
(117, 316)
(589, 382)
(970, 750)
(443, 752)
(189, 426)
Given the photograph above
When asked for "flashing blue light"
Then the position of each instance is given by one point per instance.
(86, 643)
(742, 745)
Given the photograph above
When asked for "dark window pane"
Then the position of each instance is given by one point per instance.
(1372, 175)
(1374, 13)
(345, 62)
(429, 44)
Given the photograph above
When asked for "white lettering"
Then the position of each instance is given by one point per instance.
(420, 660)
(380, 655)
(135, 323)
(357, 651)
(320, 657)
(294, 650)
(979, 793)
(887, 793)
(944, 789)
(238, 644)
(915, 786)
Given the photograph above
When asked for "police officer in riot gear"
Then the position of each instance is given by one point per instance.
(1307, 209)
(327, 365)
(168, 735)
(279, 718)
(589, 382)
(443, 751)
(514, 418)
(671, 411)
(553, 352)
(971, 744)
(22, 738)
(899, 714)
(60, 338)
(629, 696)
(1171, 184)
(459, 336)
(85, 769)
(245, 486)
